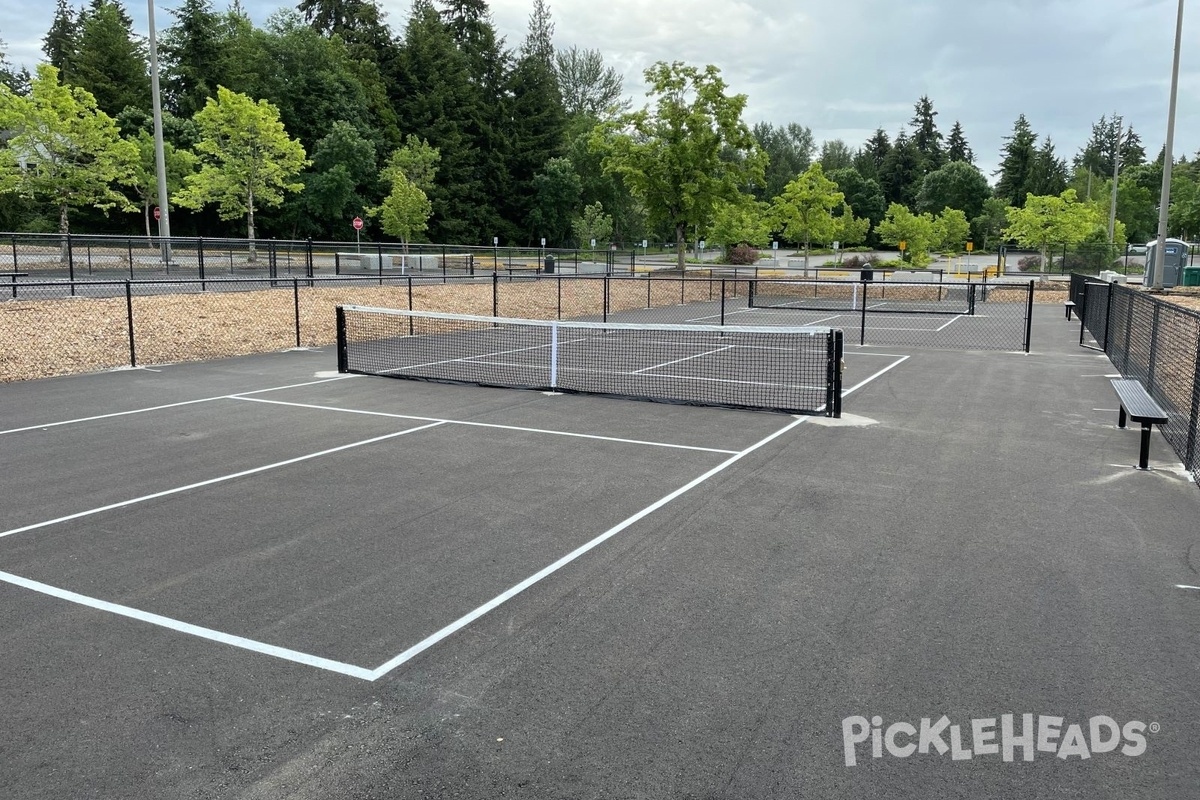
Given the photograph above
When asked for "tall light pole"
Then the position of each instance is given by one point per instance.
(164, 221)
(1164, 206)
(1112, 208)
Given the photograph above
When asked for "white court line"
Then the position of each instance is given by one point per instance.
(170, 405)
(876, 375)
(482, 425)
(1184, 586)
(467, 619)
(192, 630)
(485, 355)
(211, 481)
(951, 322)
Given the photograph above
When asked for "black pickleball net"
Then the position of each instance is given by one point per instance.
(787, 369)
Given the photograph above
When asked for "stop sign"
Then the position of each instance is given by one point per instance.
(358, 223)
(157, 212)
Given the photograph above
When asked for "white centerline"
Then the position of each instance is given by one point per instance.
(211, 481)
(680, 360)
(876, 375)
(483, 425)
(170, 405)
(545, 572)
(190, 629)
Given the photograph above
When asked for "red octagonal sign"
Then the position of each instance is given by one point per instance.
(157, 212)
(358, 223)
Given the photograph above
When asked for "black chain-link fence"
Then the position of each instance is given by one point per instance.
(1158, 343)
(61, 327)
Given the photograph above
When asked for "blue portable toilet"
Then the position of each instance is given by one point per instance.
(1173, 261)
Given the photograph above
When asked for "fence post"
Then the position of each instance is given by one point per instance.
(723, 300)
(14, 249)
(495, 295)
(129, 250)
(296, 302)
(308, 258)
(410, 305)
(1153, 349)
(1029, 317)
(1190, 459)
(200, 256)
(558, 280)
(71, 263)
(129, 319)
(649, 283)
(605, 299)
(862, 329)
(1128, 331)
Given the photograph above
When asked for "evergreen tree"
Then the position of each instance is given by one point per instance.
(1016, 166)
(789, 152)
(863, 195)
(835, 155)
(869, 161)
(111, 60)
(587, 86)
(191, 51)
(926, 137)
(61, 42)
(957, 148)
(1097, 155)
(900, 174)
(1048, 175)
(435, 96)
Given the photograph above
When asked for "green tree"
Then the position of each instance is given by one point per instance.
(179, 163)
(957, 184)
(804, 212)
(338, 186)
(952, 230)
(1017, 165)
(688, 152)
(61, 42)
(556, 196)
(110, 61)
(789, 150)
(835, 155)
(61, 149)
(593, 226)
(957, 148)
(1048, 175)
(901, 174)
(870, 159)
(864, 195)
(247, 160)
(1053, 219)
(191, 52)
(919, 232)
(742, 221)
(926, 138)
(588, 87)
(849, 229)
(988, 226)
(405, 211)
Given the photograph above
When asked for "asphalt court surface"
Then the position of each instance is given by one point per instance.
(969, 540)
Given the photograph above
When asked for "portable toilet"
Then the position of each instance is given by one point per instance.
(1173, 261)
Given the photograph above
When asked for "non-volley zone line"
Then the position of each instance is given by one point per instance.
(407, 655)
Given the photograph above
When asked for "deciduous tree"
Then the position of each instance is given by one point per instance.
(804, 212)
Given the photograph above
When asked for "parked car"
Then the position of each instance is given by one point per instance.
(1136, 250)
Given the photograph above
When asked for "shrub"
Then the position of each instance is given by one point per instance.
(1030, 264)
(742, 255)
(856, 262)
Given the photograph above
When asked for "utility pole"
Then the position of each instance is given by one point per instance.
(164, 222)
(1112, 209)
(1168, 160)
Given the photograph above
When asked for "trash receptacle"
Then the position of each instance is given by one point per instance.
(1191, 276)
(549, 265)
(867, 275)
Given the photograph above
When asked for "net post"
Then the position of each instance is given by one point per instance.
(554, 357)
(970, 298)
(343, 360)
(722, 302)
(862, 325)
(833, 391)
(129, 319)
(750, 290)
(410, 305)
(1029, 317)
(296, 302)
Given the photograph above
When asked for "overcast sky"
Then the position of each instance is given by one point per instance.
(846, 67)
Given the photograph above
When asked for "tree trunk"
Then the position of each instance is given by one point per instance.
(807, 247)
(146, 215)
(64, 228)
(681, 253)
(250, 227)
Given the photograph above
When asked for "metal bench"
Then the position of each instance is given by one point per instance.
(1069, 305)
(1139, 406)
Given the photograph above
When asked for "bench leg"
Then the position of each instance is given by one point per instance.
(1144, 452)
(1121, 418)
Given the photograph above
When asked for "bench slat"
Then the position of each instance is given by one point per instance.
(1138, 403)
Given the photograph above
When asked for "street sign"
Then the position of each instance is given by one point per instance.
(775, 245)
(495, 241)
(970, 246)
(543, 241)
(645, 244)
(837, 245)
(157, 212)
(903, 245)
(593, 244)
(357, 223)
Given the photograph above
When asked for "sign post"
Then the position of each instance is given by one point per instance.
(903, 245)
(970, 247)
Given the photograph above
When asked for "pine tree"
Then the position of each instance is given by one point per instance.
(926, 138)
(900, 174)
(191, 51)
(957, 148)
(1048, 173)
(61, 42)
(1016, 167)
(869, 160)
(111, 60)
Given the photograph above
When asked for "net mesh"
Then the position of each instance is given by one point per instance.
(882, 297)
(793, 370)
